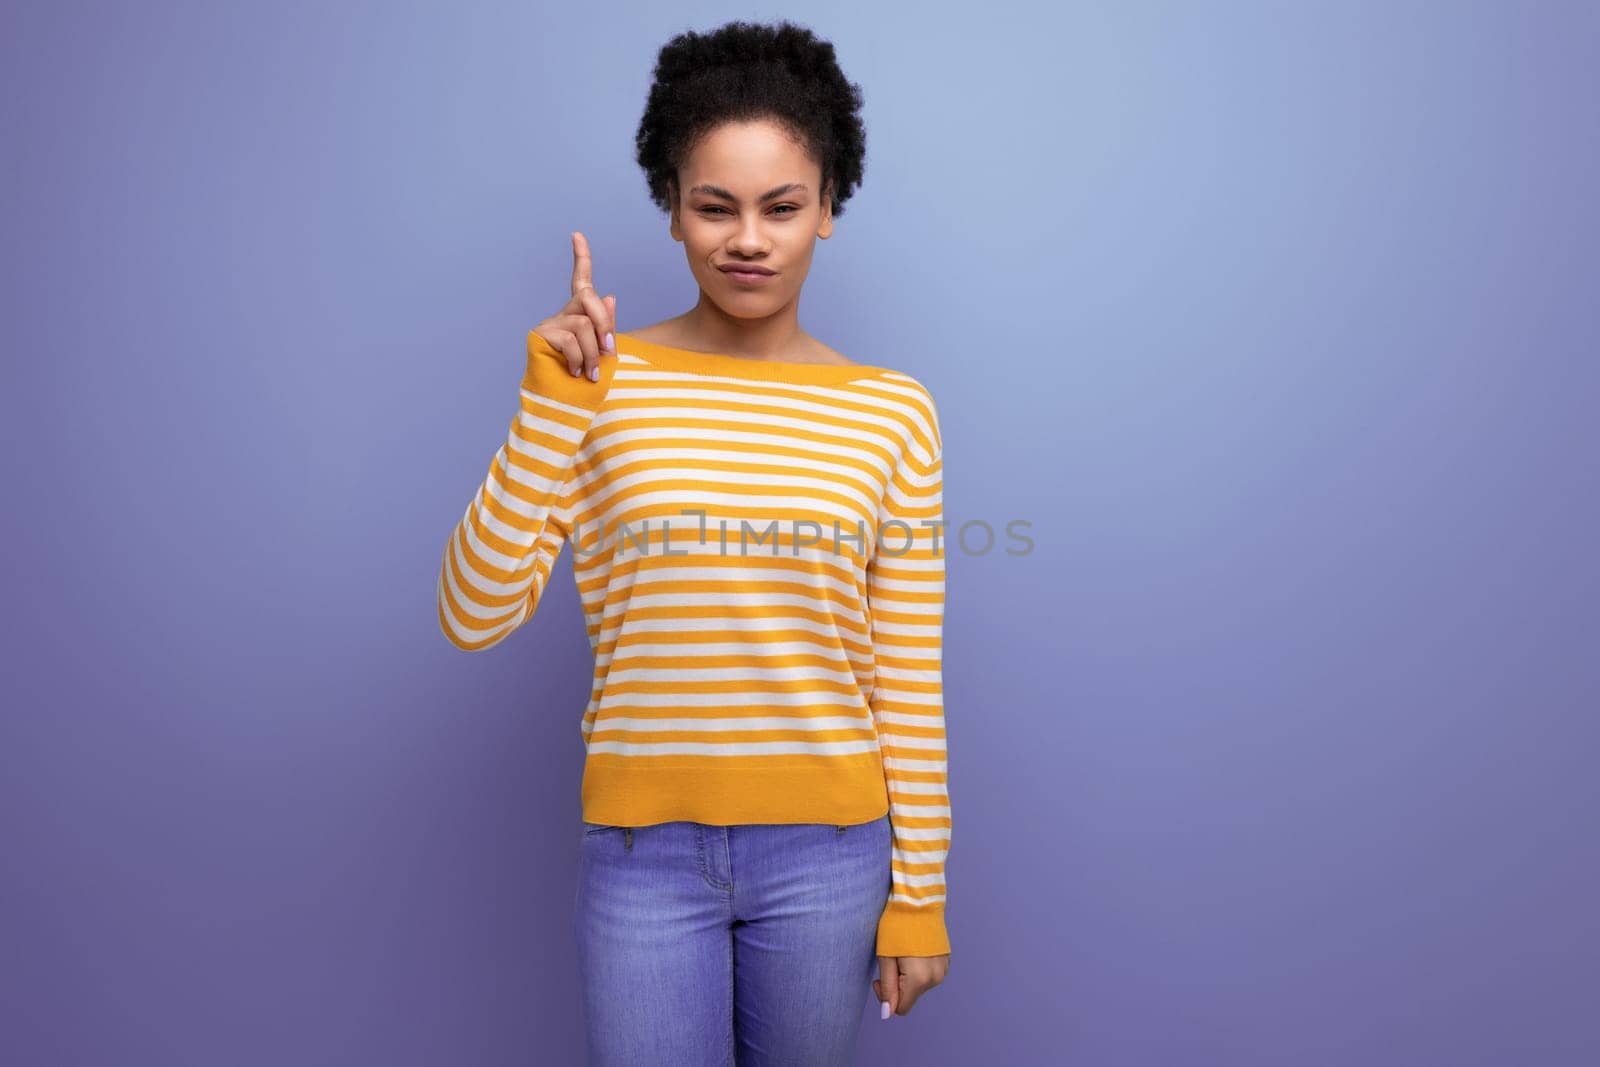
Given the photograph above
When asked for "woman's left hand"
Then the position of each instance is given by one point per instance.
(902, 979)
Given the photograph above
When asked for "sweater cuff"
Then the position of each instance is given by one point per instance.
(912, 930)
(547, 376)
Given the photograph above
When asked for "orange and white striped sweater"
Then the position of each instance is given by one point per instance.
(759, 549)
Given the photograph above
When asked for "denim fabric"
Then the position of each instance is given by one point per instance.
(708, 946)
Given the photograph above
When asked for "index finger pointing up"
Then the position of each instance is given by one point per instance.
(582, 266)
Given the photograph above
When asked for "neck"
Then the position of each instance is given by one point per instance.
(707, 328)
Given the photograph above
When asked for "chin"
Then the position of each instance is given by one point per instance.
(740, 304)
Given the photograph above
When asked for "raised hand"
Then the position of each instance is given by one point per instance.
(585, 329)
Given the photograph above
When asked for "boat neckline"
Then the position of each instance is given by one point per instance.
(722, 363)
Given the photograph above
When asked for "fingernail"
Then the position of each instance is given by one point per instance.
(611, 345)
(884, 1014)
(594, 373)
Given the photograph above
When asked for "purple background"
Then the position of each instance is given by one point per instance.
(1277, 322)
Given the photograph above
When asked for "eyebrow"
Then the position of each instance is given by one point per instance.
(717, 190)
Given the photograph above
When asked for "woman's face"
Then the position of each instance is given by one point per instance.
(725, 216)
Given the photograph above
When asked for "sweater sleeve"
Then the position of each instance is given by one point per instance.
(906, 592)
(500, 553)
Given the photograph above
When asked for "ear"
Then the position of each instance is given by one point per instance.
(825, 227)
(672, 199)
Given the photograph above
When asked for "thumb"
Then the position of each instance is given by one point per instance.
(887, 984)
(611, 308)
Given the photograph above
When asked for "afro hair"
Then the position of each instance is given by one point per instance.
(742, 72)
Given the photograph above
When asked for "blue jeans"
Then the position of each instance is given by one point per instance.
(707, 946)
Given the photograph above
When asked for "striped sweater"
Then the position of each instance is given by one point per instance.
(759, 549)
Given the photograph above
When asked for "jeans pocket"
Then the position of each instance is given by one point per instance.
(597, 828)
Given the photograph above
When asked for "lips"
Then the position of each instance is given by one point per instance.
(747, 275)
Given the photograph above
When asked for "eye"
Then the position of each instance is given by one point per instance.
(713, 209)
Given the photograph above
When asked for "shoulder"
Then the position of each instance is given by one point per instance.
(913, 406)
(904, 384)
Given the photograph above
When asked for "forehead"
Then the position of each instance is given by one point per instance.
(747, 158)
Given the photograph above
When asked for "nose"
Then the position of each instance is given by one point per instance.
(748, 241)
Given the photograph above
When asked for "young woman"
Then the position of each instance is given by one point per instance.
(758, 543)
